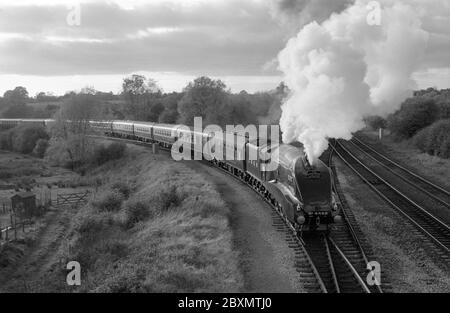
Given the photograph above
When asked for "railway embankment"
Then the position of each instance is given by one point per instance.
(152, 225)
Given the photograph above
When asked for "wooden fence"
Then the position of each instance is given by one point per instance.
(13, 222)
(16, 223)
(72, 199)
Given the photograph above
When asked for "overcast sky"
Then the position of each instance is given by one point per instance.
(172, 41)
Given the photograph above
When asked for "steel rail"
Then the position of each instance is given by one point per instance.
(426, 181)
(351, 267)
(344, 210)
(330, 260)
(400, 176)
(384, 197)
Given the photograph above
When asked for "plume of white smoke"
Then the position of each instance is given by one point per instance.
(344, 69)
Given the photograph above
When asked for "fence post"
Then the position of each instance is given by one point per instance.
(15, 227)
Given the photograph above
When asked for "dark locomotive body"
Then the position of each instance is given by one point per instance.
(301, 191)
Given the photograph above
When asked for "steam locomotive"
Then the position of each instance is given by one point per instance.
(301, 191)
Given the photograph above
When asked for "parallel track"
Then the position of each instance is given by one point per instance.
(431, 190)
(432, 228)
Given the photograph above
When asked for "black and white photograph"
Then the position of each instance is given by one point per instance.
(225, 153)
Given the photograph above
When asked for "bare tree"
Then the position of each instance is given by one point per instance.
(70, 143)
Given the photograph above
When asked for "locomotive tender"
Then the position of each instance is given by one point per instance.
(301, 191)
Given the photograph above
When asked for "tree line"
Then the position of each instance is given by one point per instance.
(423, 120)
(141, 99)
(70, 144)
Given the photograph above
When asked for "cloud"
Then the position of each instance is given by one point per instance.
(296, 13)
(207, 37)
(197, 37)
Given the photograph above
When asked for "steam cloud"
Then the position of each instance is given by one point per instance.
(344, 69)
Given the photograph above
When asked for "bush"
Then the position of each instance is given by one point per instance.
(6, 140)
(375, 122)
(168, 199)
(136, 211)
(108, 201)
(114, 151)
(40, 148)
(123, 188)
(89, 225)
(435, 139)
(25, 137)
(445, 149)
(420, 140)
(18, 111)
(415, 114)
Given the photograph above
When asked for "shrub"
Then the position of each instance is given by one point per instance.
(123, 188)
(116, 248)
(40, 148)
(375, 122)
(435, 139)
(108, 201)
(420, 140)
(114, 151)
(136, 211)
(168, 199)
(89, 225)
(25, 137)
(415, 114)
(445, 149)
(6, 140)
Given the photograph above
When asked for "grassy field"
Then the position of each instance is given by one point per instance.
(154, 225)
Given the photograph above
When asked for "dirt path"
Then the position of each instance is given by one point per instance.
(30, 275)
(265, 258)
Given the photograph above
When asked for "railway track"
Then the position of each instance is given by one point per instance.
(432, 228)
(439, 196)
(325, 263)
(334, 263)
(343, 255)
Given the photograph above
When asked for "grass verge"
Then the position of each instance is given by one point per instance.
(153, 226)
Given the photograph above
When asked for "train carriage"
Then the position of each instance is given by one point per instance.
(123, 129)
(165, 134)
(9, 123)
(101, 127)
(144, 131)
(233, 151)
(34, 122)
